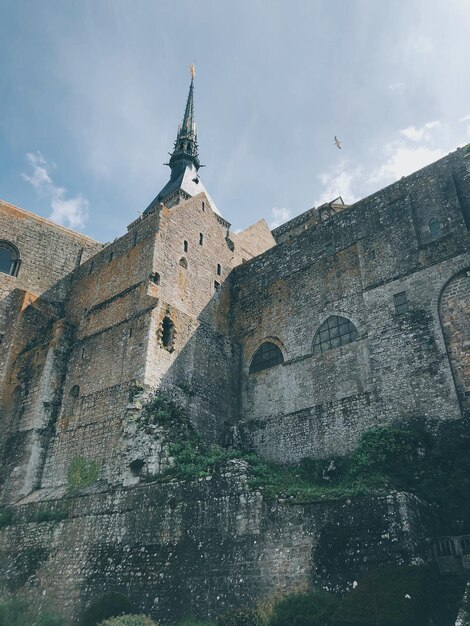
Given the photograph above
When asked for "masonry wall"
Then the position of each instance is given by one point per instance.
(201, 365)
(109, 304)
(352, 265)
(201, 547)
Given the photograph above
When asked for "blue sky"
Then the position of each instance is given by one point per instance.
(92, 93)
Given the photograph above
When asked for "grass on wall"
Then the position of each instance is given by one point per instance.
(403, 457)
(81, 473)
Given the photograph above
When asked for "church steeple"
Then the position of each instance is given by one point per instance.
(185, 148)
(185, 181)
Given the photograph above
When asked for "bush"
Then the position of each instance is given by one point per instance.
(57, 515)
(191, 621)
(6, 517)
(110, 604)
(81, 473)
(305, 609)
(399, 596)
(18, 612)
(128, 620)
(241, 617)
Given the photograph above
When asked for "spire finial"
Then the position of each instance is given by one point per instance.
(192, 70)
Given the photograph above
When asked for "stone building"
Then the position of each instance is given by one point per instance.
(290, 343)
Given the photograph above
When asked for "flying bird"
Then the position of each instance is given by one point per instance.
(337, 142)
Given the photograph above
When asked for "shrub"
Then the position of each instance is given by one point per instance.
(81, 473)
(16, 611)
(191, 621)
(399, 596)
(241, 617)
(305, 609)
(129, 620)
(110, 604)
(6, 517)
(56, 515)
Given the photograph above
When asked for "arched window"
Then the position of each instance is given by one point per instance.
(9, 258)
(334, 332)
(184, 263)
(72, 400)
(168, 333)
(435, 227)
(268, 355)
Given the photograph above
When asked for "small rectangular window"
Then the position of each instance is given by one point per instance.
(219, 269)
(216, 285)
(400, 300)
(201, 239)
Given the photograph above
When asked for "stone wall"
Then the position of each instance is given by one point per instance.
(199, 548)
(353, 265)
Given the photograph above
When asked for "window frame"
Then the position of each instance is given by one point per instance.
(334, 332)
(15, 260)
(265, 357)
(401, 302)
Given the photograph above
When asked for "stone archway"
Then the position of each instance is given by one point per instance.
(454, 314)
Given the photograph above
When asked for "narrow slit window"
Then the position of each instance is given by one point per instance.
(400, 300)
(72, 401)
(203, 205)
(201, 239)
(219, 269)
(435, 227)
(185, 246)
(168, 333)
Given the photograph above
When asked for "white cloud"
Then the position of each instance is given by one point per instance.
(404, 161)
(280, 216)
(340, 180)
(466, 119)
(411, 149)
(418, 134)
(397, 87)
(421, 44)
(71, 212)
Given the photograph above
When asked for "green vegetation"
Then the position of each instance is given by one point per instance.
(305, 609)
(16, 611)
(400, 596)
(81, 473)
(190, 621)
(403, 457)
(7, 517)
(53, 515)
(112, 604)
(241, 617)
(129, 620)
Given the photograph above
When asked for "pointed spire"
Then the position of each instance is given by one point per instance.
(186, 148)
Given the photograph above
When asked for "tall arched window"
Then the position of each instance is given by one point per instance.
(168, 334)
(435, 227)
(268, 355)
(334, 332)
(9, 258)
